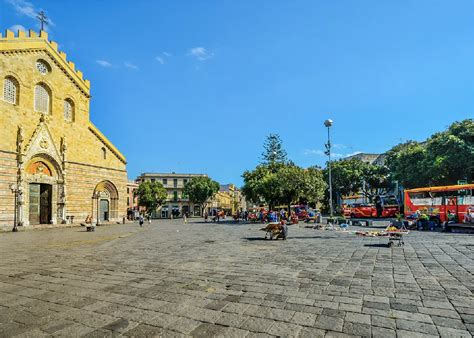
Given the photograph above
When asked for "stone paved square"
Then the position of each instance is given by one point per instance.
(204, 279)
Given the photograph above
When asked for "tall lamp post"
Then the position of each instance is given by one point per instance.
(328, 124)
(16, 191)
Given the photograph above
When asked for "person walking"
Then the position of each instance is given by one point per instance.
(140, 220)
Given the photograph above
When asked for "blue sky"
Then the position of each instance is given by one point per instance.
(195, 86)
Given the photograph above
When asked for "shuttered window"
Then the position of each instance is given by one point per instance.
(68, 110)
(10, 90)
(42, 99)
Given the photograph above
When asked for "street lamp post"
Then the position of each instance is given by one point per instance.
(15, 190)
(328, 124)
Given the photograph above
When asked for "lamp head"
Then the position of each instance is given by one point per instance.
(328, 123)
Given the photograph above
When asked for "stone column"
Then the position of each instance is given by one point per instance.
(20, 178)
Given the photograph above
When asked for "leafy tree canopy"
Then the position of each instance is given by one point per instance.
(283, 184)
(347, 176)
(314, 185)
(151, 195)
(355, 176)
(444, 158)
(199, 189)
(279, 181)
(406, 164)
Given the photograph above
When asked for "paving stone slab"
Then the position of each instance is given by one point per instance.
(409, 325)
(208, 330)
(329, 323)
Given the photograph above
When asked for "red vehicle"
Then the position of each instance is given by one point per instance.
(384, 206)
(349, 201)
(439, 202)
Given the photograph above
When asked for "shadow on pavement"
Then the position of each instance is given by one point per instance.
(255, 238)
(289, 238)
(379, 245)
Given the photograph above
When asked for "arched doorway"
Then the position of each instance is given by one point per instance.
(44, 191)
(104, 211)
(105, 202)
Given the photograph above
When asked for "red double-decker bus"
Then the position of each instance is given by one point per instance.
(453, 202)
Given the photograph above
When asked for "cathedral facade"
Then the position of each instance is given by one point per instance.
(55, 165)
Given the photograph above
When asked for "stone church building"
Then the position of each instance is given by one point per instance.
(55, 165)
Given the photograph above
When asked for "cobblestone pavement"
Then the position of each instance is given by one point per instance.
(205, 280)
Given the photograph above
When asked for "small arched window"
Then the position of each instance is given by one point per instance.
(104, 153)
(10, 90)
(42, 99)
(68, 110)
(43, 67)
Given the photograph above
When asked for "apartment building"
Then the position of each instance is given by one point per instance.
(177, 203)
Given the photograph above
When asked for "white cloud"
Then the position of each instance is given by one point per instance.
(26, 8)
(354, 153)
(16, 28)
(200, 53)
(130, 65)
(319, 152)
(23, 7)
(313, 152)
(104, 63)
(162, 58)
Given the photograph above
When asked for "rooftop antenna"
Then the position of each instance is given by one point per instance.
(42, 18)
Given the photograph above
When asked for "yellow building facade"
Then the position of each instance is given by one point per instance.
(228, 198)
(55, 165)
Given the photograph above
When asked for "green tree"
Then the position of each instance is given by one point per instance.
(347, 176)
(289, 184)
(406, 163)
(444, 158)
(260, 185)
(151, 195)
(449, 154)
(279, 181)
(200, 189)
(273, 153)
(375, 180)
(285, 184)
(313, 186)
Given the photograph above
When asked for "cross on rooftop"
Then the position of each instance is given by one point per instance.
(42, 18)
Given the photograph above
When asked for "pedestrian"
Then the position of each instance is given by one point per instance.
(140, 220)
(206, 216)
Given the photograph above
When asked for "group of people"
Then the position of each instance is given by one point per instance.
(215, 215)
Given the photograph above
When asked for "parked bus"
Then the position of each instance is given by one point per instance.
(440, 204)
(383, 206)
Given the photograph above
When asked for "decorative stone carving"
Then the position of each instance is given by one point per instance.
(44, 143)
(20, 137)
(41, 142)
